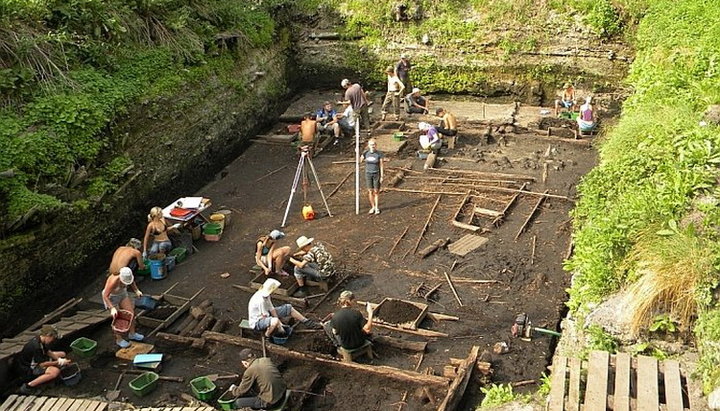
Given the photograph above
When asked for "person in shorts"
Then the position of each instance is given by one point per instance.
(567, 101)
(312, 261)
(374, 171)
(264, 316)
(36, 363)
(115, 295)
(347, 328)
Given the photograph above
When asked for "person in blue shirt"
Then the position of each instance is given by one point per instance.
(327, 120)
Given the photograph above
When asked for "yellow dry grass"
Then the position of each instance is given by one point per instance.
(668, 270)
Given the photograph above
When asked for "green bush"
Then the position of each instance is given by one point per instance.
(497, 394)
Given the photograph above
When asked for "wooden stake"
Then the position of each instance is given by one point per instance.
(508, 206)
(330, 291)
(271, 173)
(398, 241)
(417, 367)
(379, 370)
(427, 222)
(545, 173)
(372, 243)
(344, 162)
(529, 217)
(432, 247)
(337, 187)
(532, 255)
(452, 287)
(457, 388)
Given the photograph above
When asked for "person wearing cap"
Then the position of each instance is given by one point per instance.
(402, 70)
(395, 88)
(269, 256)
(36, 363)
(415, 103)
(430, 138)
(586, 119)
(264, 316)
(115, 295)
(127, 256)
(327, 120)
(374, 171)
(261, 376)
(312, 261)
(347, 328)
(567, 101)
(357, 98)
(448, 123)
(346, 120)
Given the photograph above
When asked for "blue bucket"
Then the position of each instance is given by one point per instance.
(158, 270)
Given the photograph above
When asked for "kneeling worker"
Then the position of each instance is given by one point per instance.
(347, 328)
(36, 363)
(312, 261)
(448, 123)
(261, 376)
(127, 256)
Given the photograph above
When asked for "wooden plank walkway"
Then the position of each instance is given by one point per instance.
(618, 383)
(33, 403)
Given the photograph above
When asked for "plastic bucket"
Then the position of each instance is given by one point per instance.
(144, 384)
(84, 347)
(180, 253)
(146, 302)
(170, 262)
(121, 322)
(228, 216)
(212, 228)
(227, 400)
(70, 375)
(158, 270)
(203, 388)
(218, 218)
(146, 271)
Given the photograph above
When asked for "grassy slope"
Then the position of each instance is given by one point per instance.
(658, 169)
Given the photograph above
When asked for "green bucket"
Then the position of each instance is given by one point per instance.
(212, 228)
(146, 271)
(144, 384)
(84, 347)
(180, 254)
(227, 400)
(203, 388)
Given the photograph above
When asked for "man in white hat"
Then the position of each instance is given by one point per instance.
(347, 328)
(416, 103)
(264, 316)
(312, 261)
(115, 295)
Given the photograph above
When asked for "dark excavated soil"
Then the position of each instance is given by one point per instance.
(161, 313)
(397, 312)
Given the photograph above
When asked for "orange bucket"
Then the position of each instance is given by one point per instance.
(308, 213)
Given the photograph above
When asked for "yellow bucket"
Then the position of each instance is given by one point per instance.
(218, 218)
(227, 214)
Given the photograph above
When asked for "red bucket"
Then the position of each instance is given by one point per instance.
(122, 321)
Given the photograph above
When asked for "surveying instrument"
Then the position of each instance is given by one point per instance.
(302, 171)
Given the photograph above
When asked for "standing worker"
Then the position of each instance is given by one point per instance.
(115, 294)
(374, 171)
(347, 328)
(355, 96)
(262, 377)
(36, 363)
(395, 87)
(127, 256)
(402, 70)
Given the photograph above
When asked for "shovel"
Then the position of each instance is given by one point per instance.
(216, 377)
(115, 393)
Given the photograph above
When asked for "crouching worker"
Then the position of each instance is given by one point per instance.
(347, 328)
(586, 119)
(268, 256)
(262, 386)
(312, 261)
(115, 295)
(36, 363)
(127, 256)
(263, 316)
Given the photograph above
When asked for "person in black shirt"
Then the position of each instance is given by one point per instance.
(347, 328)
(36, 363)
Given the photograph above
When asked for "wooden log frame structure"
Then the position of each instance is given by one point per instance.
(298, 302)
(534, 210)
(420, 331)
(501, 176)
(433, 247)
(378, 370)
(398, 241)
(454, 179)
(425, 226)
(457, 388)
(460, 224)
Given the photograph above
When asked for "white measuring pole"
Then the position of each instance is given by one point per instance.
(357, 166)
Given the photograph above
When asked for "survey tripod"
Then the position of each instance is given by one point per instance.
(304, 157)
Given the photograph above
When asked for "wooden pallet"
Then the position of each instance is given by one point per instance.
(33, 403)
(467, 243)
(618, 382)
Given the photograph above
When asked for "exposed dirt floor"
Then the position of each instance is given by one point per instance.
(526, 265)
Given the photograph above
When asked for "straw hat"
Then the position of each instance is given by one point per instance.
(302, 241)
(423, 126)
(269, 286)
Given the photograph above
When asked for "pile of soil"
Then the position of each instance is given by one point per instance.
(161, 313)
(397, 312)
(546, 122)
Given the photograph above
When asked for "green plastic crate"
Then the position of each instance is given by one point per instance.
(212, 228)
(84, 347)
(203, 388)
(180, 254)
(144, 384)
(227, 400)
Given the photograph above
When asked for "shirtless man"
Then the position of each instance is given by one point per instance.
(448, 123)
(308, 129)
(127, 256)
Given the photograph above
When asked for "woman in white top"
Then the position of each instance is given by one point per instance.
(394, 91)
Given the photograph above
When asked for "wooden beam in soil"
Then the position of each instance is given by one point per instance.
(398, 241)
(431, 315)
(457, 388)
(300, 302)
(487, 174)
(530, 216)
(403, 190)
(496, 222)
(452, 287)
(543, 135)
(370, 244)
(433, 247)
(272, 172)
(330, 291)
(178, 339)
(420, 331)
(425, 177)
(180, 311)
(378, 370)
(337, 187)
(427, 223)
(417, 346)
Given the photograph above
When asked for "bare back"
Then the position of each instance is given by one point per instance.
(122, 258)
(308, 128)
(450, 121)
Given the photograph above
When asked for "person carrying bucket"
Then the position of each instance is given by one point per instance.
(115, 295)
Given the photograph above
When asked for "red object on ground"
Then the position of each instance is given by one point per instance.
(121, 322)
(293, 128)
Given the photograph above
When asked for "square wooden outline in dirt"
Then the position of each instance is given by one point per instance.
(410, 325)
(258, 281)
(180, 303)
